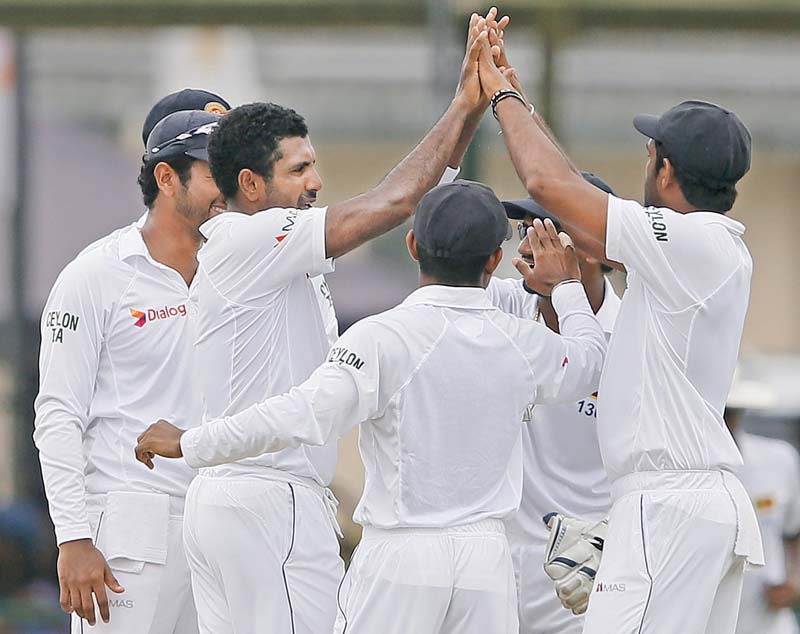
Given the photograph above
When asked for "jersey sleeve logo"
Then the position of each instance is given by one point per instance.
(288, 226)
(343, 356)
(656, 217)
(59, 321)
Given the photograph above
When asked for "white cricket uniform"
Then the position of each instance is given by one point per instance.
(440, 385)
(771, 475)
(116, 356)
(261, 533)
(562, 472)
(681, 525)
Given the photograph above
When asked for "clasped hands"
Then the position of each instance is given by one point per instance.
(486, 68)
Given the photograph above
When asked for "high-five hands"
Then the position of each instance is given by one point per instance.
(483, 31)
(160, 439)
(553, 256)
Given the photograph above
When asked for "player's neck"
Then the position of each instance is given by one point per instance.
(595, 287)
(172, 240)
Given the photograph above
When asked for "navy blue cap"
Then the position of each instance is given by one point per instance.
(181, 133)
(518, 209)
(702, 139)
(186, 99)
(461, 219)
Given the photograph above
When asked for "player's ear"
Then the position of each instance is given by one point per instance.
(666, 175)
(411, 245)
(166, 178)
(494, 261)
(250, 184)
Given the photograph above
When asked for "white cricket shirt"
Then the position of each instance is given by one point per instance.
(676, 340)
(771, 477)
(440, 385)
(116, 356)
(266, 322)
(562, 467)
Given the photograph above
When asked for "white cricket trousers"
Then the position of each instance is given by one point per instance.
(540, 610)
(430, 581)
(140, 535)
(263, 554)
(675, 554)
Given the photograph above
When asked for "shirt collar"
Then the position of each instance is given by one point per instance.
(712, 217)
(131, 242)
(470, 297)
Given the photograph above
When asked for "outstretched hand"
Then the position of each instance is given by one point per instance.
(482, 31)
(554, 258)
(491, 77)
(160, 439)
(469, 86)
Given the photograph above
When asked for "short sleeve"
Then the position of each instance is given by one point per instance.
(251, 256)
(673, 253)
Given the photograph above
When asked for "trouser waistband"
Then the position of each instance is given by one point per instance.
(276, 475)
(482, 527)
(666, 480)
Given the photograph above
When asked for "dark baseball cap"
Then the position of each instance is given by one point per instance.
(181, 133)
(702, 139)
(186, 99)
(461, 219)
(518, 209)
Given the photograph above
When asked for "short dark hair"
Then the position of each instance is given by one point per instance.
(147, 179)
(700, 193)
(247, 138)
(452, 271)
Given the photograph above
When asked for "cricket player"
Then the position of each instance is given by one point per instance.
(439, 386)
(771, 476)
(260, 533)
(572, 483)
(681, 527)
(116, 349)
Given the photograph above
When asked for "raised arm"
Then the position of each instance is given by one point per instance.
(387, 205)
(543, 167)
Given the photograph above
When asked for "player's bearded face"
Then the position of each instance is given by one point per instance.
(295, 180)
(200, 198)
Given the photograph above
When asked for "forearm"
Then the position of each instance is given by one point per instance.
(395, 198)
(60, 445)
(551, 178)
(471, 125)
(537, 159)
(310, 414)
(585, 341)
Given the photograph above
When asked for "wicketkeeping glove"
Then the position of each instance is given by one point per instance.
(572, 558)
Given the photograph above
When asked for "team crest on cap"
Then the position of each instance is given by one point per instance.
(215, 107)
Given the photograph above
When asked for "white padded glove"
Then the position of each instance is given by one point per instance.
(572, 558)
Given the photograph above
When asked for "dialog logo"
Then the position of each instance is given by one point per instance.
(154, 314)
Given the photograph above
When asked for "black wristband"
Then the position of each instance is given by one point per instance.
(505, 93)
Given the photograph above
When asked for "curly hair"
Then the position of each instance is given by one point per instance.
(247, 138)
